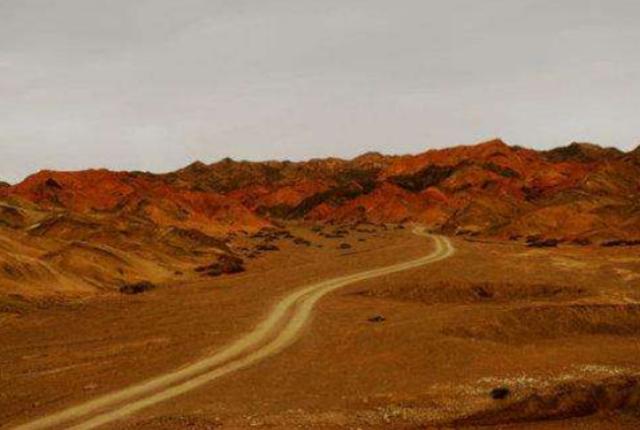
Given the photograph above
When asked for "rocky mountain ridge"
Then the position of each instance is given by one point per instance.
(581, 191)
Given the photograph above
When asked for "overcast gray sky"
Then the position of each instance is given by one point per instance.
(156, 84)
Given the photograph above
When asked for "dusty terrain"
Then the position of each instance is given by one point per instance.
(109, 280)
(553, 331)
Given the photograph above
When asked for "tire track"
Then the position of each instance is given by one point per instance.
(281, 328)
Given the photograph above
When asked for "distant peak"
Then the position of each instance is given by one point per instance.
(370, 154)
(585, 144)
(496, 143)
(581, 152)
(196, 166)
(369, 157)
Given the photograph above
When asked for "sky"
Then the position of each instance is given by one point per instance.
(157, 84)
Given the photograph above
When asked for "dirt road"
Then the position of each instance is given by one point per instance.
(282, 326)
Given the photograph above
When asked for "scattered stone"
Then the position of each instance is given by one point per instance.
(195, 422)
(533, 238)
(377, 319)
(344, 246)
(543, 243)
(226, 264)
(471, 230)
(620, 242)
(301, 241)
(332, 235)
(137, 288)
(231, 264)
(499, 393)
(271, 234)
(211, 270)
(267, 247)
(481, 292)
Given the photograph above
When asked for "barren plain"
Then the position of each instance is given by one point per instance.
(497, 334)
(482, 285)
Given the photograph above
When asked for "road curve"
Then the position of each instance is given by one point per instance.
(281, 328)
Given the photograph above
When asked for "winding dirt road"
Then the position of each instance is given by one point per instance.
(281, 328)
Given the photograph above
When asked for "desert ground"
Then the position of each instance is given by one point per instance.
(497, 334)
(341, 215)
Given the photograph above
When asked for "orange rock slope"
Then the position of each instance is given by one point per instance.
(581, 191)
(136, 195)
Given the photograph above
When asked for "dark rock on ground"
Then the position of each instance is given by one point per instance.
(226, 264)
(581, 241)
(137, 288)
(543, 243)
(231, 264)
(301, 241)
(267, 247)
(620, 242)
(481, 292)
(499, 393)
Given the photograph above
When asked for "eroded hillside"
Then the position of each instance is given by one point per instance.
(96, 229)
